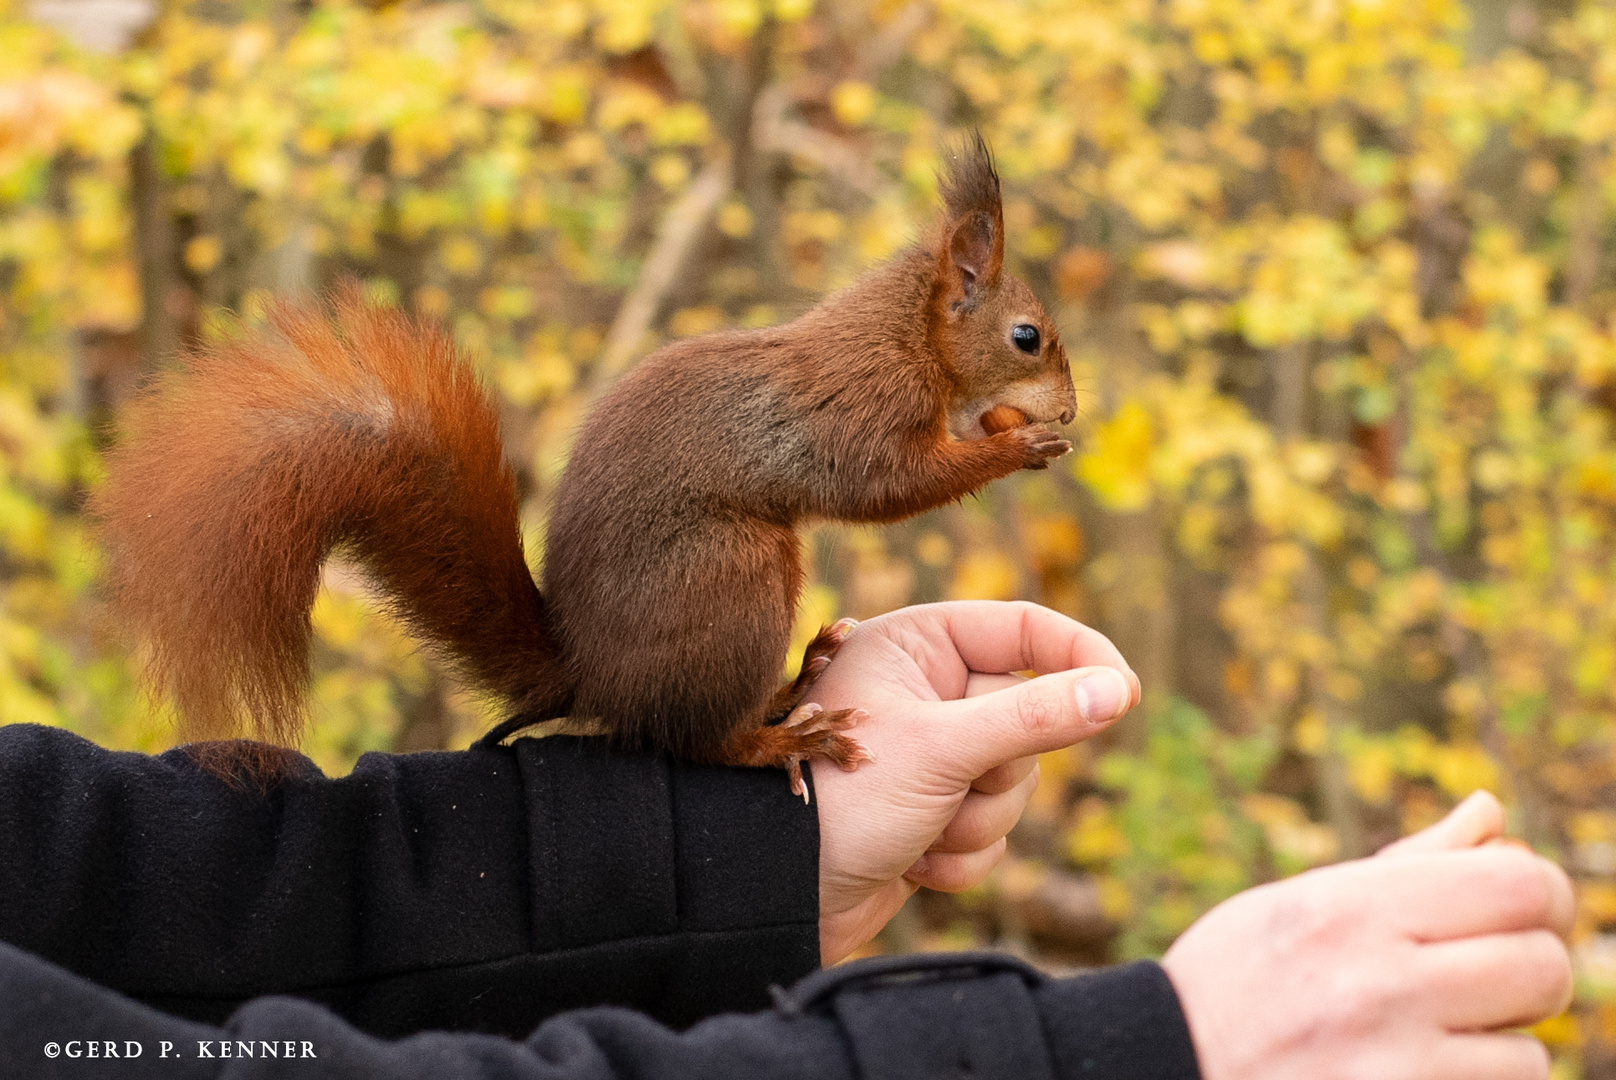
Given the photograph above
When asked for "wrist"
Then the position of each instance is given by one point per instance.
(842, 933)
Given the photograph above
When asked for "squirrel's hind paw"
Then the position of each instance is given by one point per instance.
(820, 733)
(808, 732)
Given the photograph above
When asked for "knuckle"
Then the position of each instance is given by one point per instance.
(955, 873)
(941, 873)
(1393, 1061)
(1310, 920)
(967, 832)
(1037, 712)
(1021, 611)
(1521, 887)
(1363, 996)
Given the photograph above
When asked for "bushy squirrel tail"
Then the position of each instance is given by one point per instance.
(339, 425)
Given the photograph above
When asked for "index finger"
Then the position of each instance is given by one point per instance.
(1487, 890)
(1005, 636)
(1479, 819)
(1033, 716)
(977, 683)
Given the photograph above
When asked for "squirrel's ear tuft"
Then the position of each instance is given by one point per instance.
(971, 183)
(974, 234)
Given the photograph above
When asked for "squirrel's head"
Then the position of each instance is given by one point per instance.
(995, 338)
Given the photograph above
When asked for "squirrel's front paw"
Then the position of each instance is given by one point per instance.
(1038, 445)
(815, 659)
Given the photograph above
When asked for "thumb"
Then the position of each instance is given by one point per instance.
(1038, 715)
(1479, 819)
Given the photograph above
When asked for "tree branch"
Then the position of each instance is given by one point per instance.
(680, 229)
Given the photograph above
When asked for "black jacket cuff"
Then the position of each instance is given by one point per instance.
(482, 890)
(903, 1018)
(989, 1015)
(1122, 1023)
(724, 869)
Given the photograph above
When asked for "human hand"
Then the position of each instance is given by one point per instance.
(951, 776)
(1405, 966)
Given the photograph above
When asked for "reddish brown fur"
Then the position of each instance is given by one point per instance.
(672, 566)
(354, 427)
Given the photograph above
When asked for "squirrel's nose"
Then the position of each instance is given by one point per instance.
(1068, 416)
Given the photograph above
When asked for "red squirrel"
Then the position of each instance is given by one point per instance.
(671, 567)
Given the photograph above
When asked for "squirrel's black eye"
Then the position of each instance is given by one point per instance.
(1025, 337)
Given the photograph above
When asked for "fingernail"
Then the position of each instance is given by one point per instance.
(1102, 696)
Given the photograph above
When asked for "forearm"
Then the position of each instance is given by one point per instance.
(482, 889)
(989, 1019)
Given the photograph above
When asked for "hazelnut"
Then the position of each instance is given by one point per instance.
(1002, 418)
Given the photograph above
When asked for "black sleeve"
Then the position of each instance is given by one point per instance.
(909, 1018)
(479, 890)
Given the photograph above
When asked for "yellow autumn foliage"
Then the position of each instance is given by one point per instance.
(1336, 280)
